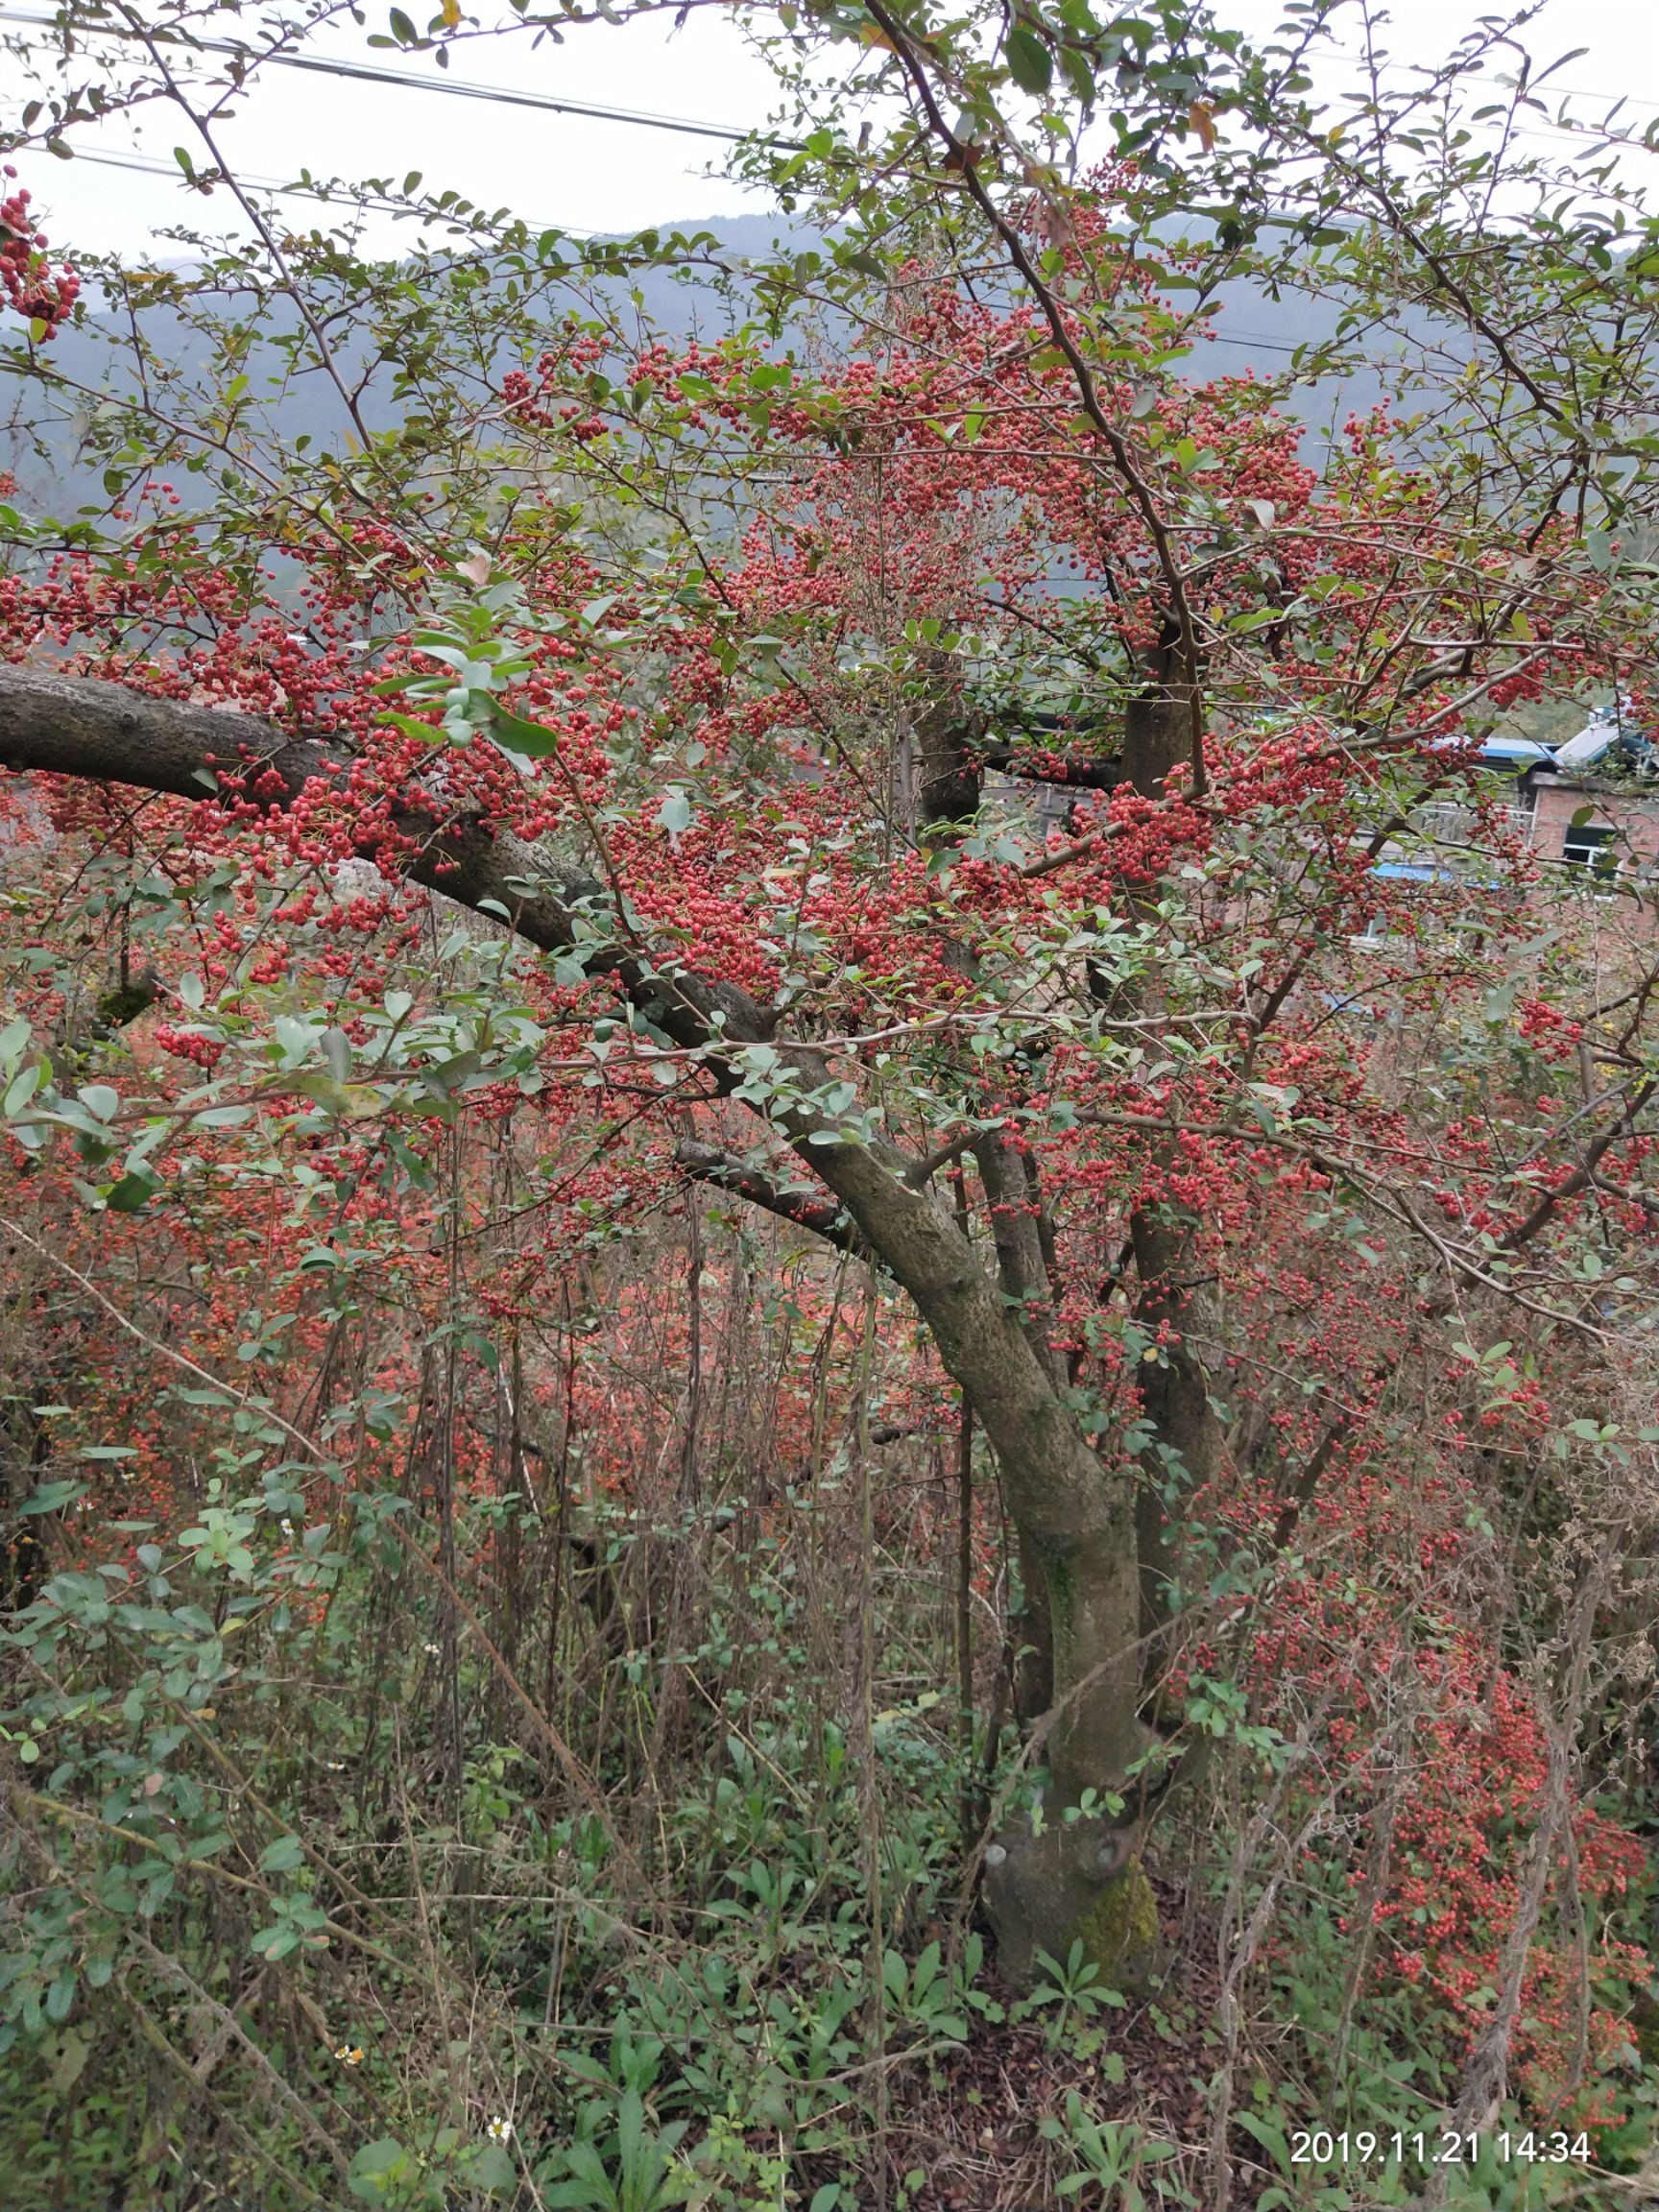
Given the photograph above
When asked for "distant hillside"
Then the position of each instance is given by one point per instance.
(1250, 335)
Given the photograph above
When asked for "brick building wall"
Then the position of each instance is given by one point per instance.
(1631, 819)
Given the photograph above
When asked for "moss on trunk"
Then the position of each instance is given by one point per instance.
(1120, 1933)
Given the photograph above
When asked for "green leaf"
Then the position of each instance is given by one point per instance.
(222, 1118)
(23, 1087)
(273, 1943)
(448, 1075)
(132, 1192)
(1272, 2137)
(337, 1051)
(374, 2169)
(514, 734)
(73, 2052)
(422, 732)
(491, 2168)
(52, 1496)
(352, 1101)
(1031, 63)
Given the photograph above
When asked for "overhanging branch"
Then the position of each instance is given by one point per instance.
(822, 1217)
(1066, 771)
(1068, 1507)
(106, 732)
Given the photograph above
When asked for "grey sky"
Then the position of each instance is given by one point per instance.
(589, 175)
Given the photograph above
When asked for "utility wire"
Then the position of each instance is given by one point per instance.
(461, 89)
(367, 72)
(399, 80)
(142, 165)
(373, 73)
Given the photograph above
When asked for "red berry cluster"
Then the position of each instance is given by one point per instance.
(191, 1045)
(31, 288)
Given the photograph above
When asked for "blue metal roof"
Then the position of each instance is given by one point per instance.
(1504, 752)
(1520, 750)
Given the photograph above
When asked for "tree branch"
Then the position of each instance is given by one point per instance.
(822, 1217)
(1583, 1177)
(1065, 1502)
(963, 161)
(1066, 771)
(110, 733)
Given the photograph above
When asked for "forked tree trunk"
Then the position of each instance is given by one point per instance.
(1096, 1548)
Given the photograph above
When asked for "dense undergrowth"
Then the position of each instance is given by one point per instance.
(642, 1874)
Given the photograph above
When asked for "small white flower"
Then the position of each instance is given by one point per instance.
(499, 2130)
(287, 1527)
(335, 1766)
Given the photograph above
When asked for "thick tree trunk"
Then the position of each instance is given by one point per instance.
(1075, 1520)
(1082, 1879)
(1174, 1388)
(1027, 1283)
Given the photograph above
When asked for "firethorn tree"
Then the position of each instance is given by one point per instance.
(939, 761)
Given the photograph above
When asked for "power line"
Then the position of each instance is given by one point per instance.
(462, 88)
(370, 73)
(502, 95)
(373, 73)
(142, 165)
